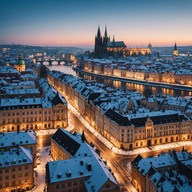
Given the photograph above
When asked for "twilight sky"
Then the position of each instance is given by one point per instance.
(75, 22)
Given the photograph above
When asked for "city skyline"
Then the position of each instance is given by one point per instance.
(75, 23)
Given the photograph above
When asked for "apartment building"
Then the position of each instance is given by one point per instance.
(167, 172)
(43, 108)
(26, 139)
(16, 170)
(125, 130)
(76, 166)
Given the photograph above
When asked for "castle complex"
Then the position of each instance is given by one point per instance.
(105, 47)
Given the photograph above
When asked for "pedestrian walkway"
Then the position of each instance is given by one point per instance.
(43, 157)
(123, 152)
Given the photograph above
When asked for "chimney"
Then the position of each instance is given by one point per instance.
(81, 162)
(89, 166)
(68, 174)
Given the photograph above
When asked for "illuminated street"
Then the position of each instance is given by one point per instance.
(121, 174)
(43, 155)
(117, 162)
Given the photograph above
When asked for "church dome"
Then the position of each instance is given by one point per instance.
(20, 61)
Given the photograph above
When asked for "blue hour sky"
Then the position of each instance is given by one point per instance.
(75, 22)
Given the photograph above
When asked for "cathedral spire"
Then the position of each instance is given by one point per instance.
(105, 31)
(113, 38)
(98, 32)
(175, 47)
(149, 45)
(175, 50)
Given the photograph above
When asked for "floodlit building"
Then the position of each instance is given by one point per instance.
(175, 51)
(118, 116)
(168, 172)
(42, 108)
(105, 47)
(16, 170)
(82, 168)
(19, 64)
(26, 139)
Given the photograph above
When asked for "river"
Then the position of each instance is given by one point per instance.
(63, 68)
(128, 86)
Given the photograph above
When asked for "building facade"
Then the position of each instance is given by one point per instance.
(26, 139)
(76, 166)
(42, 109)
(175, 50)
(126, 131)
(104, 47)
(20, 64)
(16, 170)
(167, 172)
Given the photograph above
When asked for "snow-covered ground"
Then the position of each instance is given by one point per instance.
(43, 156)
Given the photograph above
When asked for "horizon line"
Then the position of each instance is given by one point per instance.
(83, 46)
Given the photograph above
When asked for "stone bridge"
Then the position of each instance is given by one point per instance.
(50, 61)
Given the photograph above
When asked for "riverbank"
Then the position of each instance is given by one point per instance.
(136, 81)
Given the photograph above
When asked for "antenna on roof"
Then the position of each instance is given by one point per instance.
(83, 137)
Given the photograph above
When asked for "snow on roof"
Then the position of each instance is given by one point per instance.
(19, 103)
(155, 177)
(21, 91)
(143, 166)
(173, 182)
(10, 139)
(28, 76)
(162, 160)
(8, 69)
(15, 156)
(151, 114)
(84, 163)
(168, 181)
(177, 102)
(183, 155)
(166, 186)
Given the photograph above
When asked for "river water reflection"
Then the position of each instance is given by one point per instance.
(128, 86)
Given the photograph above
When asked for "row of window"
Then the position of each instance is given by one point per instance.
(155, 128)
(13, 183)
(30, 126)
(13, 176)
(31, 113)
(13, 169)
(31, 119)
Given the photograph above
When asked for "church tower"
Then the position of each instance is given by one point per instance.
(106, 39)
(175, 51)
(98, 43)
(19, 64)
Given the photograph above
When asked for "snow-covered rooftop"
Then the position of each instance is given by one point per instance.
(11, 139)
(85, 162)
(15, 156)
